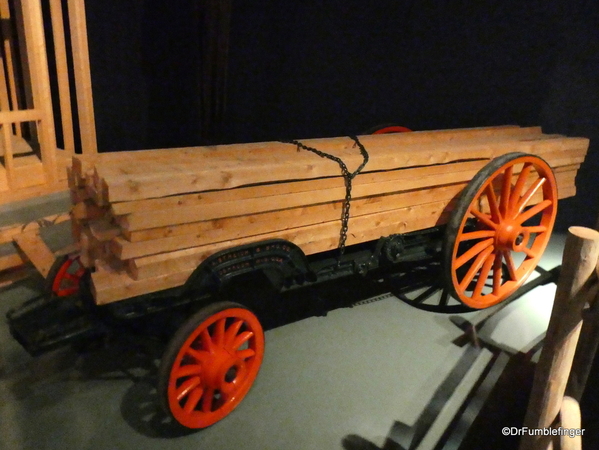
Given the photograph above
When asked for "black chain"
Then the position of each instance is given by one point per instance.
(347, 177)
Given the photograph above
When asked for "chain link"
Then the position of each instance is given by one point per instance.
(347, 177)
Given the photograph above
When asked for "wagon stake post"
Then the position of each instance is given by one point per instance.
(577, 286)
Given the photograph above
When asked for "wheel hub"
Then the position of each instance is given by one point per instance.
(511, 237)
(223, 371)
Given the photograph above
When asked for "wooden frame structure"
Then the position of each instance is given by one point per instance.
(31, 163)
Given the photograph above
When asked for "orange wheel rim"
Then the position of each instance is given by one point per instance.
(504, 231)
(215, 367)
(67, 279)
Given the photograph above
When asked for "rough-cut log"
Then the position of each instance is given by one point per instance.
(576, 286)
(146, 219)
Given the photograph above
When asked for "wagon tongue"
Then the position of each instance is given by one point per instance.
(45, 323)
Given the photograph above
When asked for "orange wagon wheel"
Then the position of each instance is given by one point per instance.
(210, 364)
(498, 231)
(64, 276)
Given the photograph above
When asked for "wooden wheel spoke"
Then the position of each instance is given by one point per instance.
(207, 400)
(198, 355)
(219, 332)
(483, 275)
(193, 400)
(534, 211)
(188, 370)
(476, 265)
(479, 234)
(497, 272)
(519, 186)
(532, 190)
(495, 213)
(471, 253)
(207, 342)
(506, 191)
(511, 266)
(536, 229)
(241, 339)
(232, 332)
(245, 354)
(186, 387)
(484, 218)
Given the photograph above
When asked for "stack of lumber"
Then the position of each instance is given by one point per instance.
(146, 219)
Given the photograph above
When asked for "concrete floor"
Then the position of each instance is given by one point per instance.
(343, 381)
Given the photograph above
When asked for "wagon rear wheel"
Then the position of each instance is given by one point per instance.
(210, 364)
(64, 276)
(499, 229)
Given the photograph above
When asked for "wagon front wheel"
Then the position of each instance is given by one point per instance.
(210, 364)
(497, 233)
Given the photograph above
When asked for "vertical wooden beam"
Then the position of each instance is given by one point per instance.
(62, 73)
(8, 46)
(577, 283)
(8, 154)
(586, 348)
(40, 80)
(83, 82)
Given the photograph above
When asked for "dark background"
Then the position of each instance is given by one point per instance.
(309, 69)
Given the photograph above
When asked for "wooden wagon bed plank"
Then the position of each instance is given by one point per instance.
(277, 189)
(364, 186)
(211, 229)
(327, 144)
(207, 232)
(146, 179)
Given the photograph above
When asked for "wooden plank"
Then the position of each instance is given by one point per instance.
(8, 38)
(11, 261)
(276, 189)
(312, 239)
(103, 230)
(393, 182)
(25, 115)
(36, 250)
(9, 164)
(8, 233)
(197, 207)
(62, 75)
(83, 82)
(207, 232)
(3, 179)
(327, 144)
(40, 79)
(113, 286)
(28, 171)
(146, 179)
(87, 210)
(246, 226)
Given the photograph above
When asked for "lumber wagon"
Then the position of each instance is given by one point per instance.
(165, 229)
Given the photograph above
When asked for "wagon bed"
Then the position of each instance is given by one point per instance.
(145, 220)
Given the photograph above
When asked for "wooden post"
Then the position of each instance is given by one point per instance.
(62, 74)
(83, 82)
(586, 348)
(12, 82)
(38, 64)
(576, 284)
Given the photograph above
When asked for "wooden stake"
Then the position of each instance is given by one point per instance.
(83, 81)
(576, 283)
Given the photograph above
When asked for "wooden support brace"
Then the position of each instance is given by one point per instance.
(32, 244)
